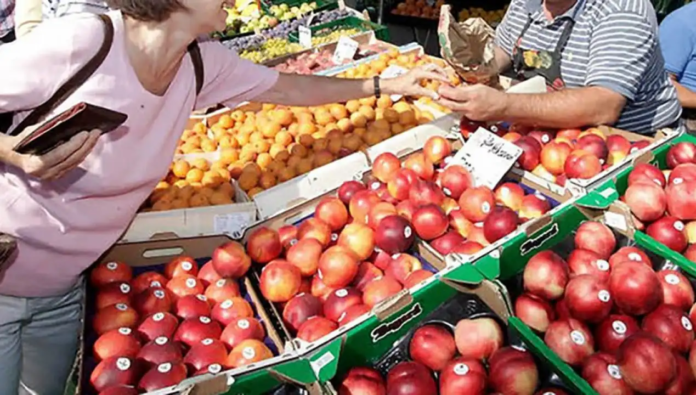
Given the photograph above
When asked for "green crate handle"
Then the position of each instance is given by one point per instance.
(381, 31)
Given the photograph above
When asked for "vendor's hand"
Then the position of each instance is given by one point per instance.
(55, 163)
(409, 84)
(476, 102)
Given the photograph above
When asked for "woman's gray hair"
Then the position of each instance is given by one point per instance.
(147, 10)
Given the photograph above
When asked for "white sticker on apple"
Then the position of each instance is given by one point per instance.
(375, 185)
(155, 284)
(686, 323)
(124, 331)
(334, 236)
(447, 191)
(158, 317)
(577, 337)
(677, 181)
(293, 242)
(408, 232)
(191, 282)
(187, 266)
(123, 364)
(215, 368)
(602, 265)
(207, 342)
(164, 367)
(604, 295)
(220, 282)
(121, 307)
(614, 371)
(244, 324)
(162, 340)
(679, 226)
(672, 279)
(634, 256)
(202, 298)
(619, 327)
(461, 369)
(485, 207)
(112, 266)
(226, 304)
(125, 288)
(205, 320)
(248, 353)
(341, 293)
(159, 294)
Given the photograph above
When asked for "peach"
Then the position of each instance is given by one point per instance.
(425, 192)
(226, 311)
(378, 212)
(459, 223)
(263, 245)
(385, 166)
(553, 157)
(455, 180)
(619, 148)
(231, 260)
(380, 290)
(240, 329)
(338, 266)
(360, 205)
(359, 239)
(247, 352)
(430, 222)
(478, 338)
(305, 255)
(333, 212)
(316, 229)
(583, 165)
(315, 328)
(367, 272)
(222, 289)
(181, 265)
(531, 151)
(420, 165)
(510, 195)
(402, 266)
(533, 206)
(436, 149)
(476, 203)
(280, 281)
(399, 186)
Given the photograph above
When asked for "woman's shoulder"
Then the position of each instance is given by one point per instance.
(76, 34)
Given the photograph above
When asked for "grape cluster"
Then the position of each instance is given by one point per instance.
(245, 43)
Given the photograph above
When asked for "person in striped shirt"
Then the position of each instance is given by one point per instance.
(7, 21)
(601, 60)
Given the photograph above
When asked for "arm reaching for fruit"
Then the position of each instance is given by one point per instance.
(307, 90)
(502, 59)
(568, 108)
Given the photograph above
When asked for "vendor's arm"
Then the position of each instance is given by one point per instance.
(504, 40)
(28, 14)
(231, 80)
(621, 48)
(678, 44)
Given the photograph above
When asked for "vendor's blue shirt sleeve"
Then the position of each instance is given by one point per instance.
(678, 43)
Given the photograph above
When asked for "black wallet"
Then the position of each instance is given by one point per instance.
(64, 126)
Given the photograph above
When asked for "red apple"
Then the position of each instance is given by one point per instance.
(684, 152)
(510, 195)
(333, 212)
(380, 290)
(226, 311)
(613, 330)
(583, 165)
(595, 145)
(635, 288)
(120, 342)
(367, 272)
(362, 380)
(671, 325)
(385, 166)
(681, 201)
(546, 275)
(588, 298)
(207, 352)
(596, 237)
(348, 189)
(247, 352)
(512, 371)
(478, 338)
(110, 272)
(463, 376)
(682, 173)
(115, 371)
(647, 201)
(420, 165)
(433, 346)
(455, 179)
(629, 253)
(338, 266)
(148, 280)
(231, 260)
(571, 340)
(240, 329)
(430, 222)
(582, 261)
(394, 234)
(181, 265)
(684, 379)
(352, 313)
(159, 351)
(402, 266)
(114, 317)
(222, 289)
(501, 222)
(315, 328)
(194, 330)
(531, 152)
(676, 289)
(305, 255)
(647, 173)
(410, 378)
(339, 301)
(602, 373)
(158, 325)
(535, 312)
(314, 228)
(436, 149)
(476, 203)
(647, 364)
(287, 235)
(192, 306)
(162, 376)
(619, 148)
(280, 281)
(670, 232)
(113, 293)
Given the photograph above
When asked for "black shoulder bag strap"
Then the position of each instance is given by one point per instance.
(74, 82)
(195, 53)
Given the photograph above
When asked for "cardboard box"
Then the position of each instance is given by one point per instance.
(261, 377)
(229, 219)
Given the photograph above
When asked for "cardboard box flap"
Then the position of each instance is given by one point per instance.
(324, 361)
(600, 198)
(297, 372)
(534, 226)
(618, 217)
(392, 305)
(645, 157)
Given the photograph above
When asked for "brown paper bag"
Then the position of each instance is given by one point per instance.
(468, 48)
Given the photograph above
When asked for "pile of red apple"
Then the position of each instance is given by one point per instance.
(311, 63)
(556, 155)
(156, 329)
(459, 363)
(626, 327)
(663, 203)
(353, 253)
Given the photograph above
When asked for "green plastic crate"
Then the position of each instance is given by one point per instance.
(381, 32)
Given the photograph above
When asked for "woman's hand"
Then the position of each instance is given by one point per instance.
(409, 84)
(53, 164)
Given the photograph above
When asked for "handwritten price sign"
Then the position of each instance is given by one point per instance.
(345, 50)
(488, 157)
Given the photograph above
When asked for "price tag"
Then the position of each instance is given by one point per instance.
(393, 71)
(616, 221)
(305, 34)
(321, 362)
(488, 157)
(345, 50)
(230, 223)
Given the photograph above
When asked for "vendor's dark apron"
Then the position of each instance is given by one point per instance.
(528, 63)
(689, 117)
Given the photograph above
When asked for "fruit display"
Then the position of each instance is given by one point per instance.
(270, 49)
(264, 148)
(492, 17)
(314, 62)
(663, 202)
(194, 182)
(449, 355)
(248, 17)
(419, 9)
(618, 314)
(558, 155)
(155, 328)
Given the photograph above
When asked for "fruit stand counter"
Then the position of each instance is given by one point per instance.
(587, 290)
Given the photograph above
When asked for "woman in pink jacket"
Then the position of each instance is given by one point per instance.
(69, 206)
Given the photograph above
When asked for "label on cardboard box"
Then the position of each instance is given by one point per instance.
(487, 157)
(321, 362)
(345, 50)
(305, 35)
(231, 223)
(616, 221)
